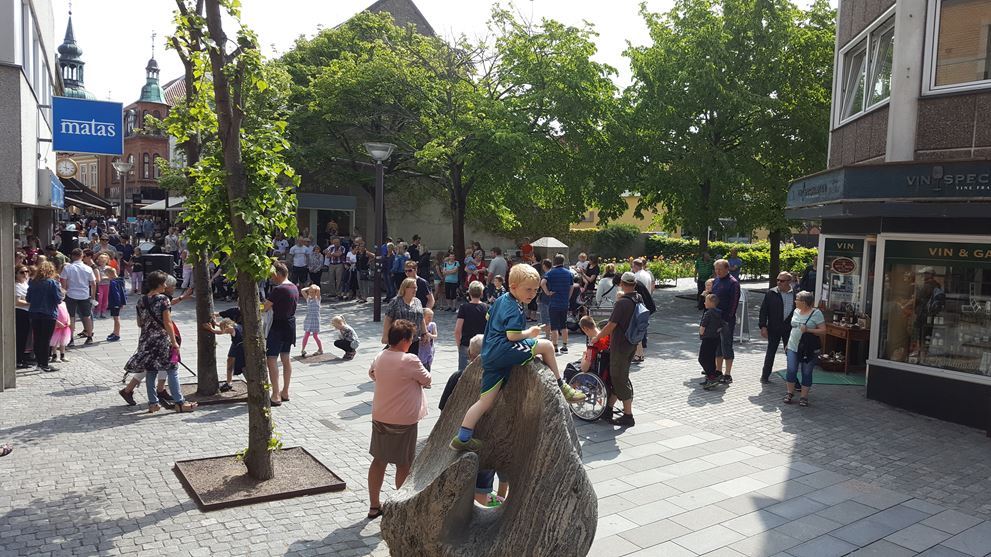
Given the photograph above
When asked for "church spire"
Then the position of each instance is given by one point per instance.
(71, 63)
(152, 91)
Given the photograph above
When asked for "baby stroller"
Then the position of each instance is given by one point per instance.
(596, 385)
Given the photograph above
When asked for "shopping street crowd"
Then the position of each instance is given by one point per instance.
(510, 309)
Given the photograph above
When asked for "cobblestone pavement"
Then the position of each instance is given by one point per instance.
(728, 472)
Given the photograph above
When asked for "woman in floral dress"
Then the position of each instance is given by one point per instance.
(158, 346)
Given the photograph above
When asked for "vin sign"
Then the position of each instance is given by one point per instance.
(86, 126)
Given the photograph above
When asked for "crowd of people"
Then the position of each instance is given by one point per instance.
(510, 309)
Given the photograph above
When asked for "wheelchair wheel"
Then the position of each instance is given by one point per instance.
(596, 396)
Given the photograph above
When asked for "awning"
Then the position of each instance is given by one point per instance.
(76, 193)
(548, 242)
(175, 204)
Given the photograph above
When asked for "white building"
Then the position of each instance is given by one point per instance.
(28, 79)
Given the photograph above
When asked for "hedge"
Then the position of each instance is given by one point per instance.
(756, 256)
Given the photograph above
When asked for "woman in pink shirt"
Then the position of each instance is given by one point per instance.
(397, 406)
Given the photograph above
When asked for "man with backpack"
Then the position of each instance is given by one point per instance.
(626, 328)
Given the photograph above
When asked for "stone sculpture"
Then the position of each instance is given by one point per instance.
(530, 440)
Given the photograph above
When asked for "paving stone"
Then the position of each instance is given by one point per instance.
(611, 545)
(703, 517)
(951, 521)
(765, 544)
(755, 522)
(882, 548)
(708, 539)
(975, 541)
(924, 506)
(724, 552)
(918, 537)
(652, 512)
(796, 508)
(655, 533)
(667, 549)
(823, 546)
(900, 516)
(847, 512)
(942, 551)
(807, 527)
(613, 524)
(864, 532)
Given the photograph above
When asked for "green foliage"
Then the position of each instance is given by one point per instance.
(270, 203)
(484, 123)
(614, 239)
(729, 102)
(756, 256)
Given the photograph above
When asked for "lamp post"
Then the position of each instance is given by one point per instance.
(380, 152)
(122, 168)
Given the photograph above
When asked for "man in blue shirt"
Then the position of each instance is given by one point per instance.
(727, 289)
(557, 284)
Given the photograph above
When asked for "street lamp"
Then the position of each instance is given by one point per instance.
(122, 169)
(381, 153)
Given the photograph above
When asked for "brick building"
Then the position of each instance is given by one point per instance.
(904, 204)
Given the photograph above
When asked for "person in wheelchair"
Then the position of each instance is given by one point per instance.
(596, 354)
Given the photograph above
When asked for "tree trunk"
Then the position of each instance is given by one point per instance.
(258, 459)
(206, 341)
(459, 202)
(706, 188)
(775, 239)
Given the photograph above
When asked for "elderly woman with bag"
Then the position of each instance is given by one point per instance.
(804, 344)
(158, 344)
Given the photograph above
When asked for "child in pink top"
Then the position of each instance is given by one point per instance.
(397, 405)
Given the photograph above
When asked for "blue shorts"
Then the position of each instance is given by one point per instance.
(281, 338)
(559, 319)
(496, 371)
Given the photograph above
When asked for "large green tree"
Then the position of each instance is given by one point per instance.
(728, 103)
(506, 132)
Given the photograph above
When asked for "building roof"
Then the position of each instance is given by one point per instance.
(174, 91)
(403, 12)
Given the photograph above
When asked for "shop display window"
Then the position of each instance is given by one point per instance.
(936, 305)
(843, 265)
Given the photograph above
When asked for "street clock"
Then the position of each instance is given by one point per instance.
(66, 168)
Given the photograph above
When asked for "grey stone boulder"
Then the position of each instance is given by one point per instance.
(530, 440)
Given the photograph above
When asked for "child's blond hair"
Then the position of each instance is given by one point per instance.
(111, 273)
(338, 320)
(428, 311)
(522, 273)
(475, 346)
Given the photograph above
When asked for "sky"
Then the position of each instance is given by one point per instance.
(116, 35)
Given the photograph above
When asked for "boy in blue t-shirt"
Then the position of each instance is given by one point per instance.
(508, 342)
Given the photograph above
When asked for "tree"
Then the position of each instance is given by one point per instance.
(501, 129)
(185, 122)
(242, 189)
(724, 104)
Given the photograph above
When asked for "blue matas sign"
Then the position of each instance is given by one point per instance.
(86, 126)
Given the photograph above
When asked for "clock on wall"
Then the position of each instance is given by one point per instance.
(66, 168)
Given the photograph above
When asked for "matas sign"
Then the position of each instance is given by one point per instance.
(87, 126)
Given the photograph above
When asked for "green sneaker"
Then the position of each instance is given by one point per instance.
(472, 445)
(570, 394)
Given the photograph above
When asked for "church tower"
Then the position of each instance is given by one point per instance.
(71, 64)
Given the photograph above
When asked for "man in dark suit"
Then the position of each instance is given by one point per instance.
(775, 320)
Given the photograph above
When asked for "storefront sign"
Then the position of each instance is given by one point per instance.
(58, 193)
(844, 246)
(894, 181)
(937, 252)
(87, 126)
(843, 265)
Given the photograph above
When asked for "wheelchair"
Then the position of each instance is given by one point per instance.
(594, 383)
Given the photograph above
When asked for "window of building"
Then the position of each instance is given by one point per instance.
(865, 70)
(936, 305)
(84, 174)
(155, 168)
(959, 49)
(146, 166)
(93, 174)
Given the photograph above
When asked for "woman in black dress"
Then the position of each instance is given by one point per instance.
(44, 295)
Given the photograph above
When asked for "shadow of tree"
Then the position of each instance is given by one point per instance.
(80, 390)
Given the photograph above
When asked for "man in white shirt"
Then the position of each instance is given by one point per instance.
(79, 284)
(300, 255)
(498, 265)
(645, 278)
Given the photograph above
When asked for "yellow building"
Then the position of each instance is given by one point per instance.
(651, 221)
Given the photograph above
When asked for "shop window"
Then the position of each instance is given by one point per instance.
(936, 305)
(866, 70)
(842, 275)
(959, 53)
